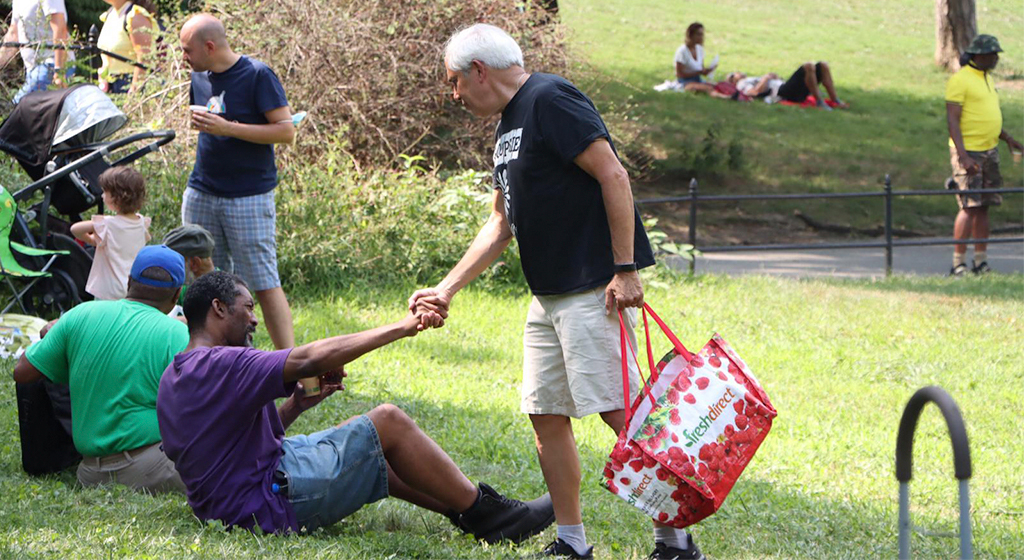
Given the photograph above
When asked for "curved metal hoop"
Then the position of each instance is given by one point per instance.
(961, 462)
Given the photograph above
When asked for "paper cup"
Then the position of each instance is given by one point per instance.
(195, 109)
(311, 386)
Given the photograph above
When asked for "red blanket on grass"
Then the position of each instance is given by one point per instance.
(809, 102)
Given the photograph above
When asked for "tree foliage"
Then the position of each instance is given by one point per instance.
(369, 74)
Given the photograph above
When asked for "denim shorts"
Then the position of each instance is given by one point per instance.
(333, 473)
(39, 78)
(243, 229)
(691, 80)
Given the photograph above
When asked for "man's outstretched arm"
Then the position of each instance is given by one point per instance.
(329, 354)
(489, 243)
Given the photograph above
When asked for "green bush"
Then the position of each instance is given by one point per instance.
(338, 227)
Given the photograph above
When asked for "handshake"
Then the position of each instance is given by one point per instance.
(428, 308)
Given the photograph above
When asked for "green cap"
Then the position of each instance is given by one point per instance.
(983, 44)
(190, 240)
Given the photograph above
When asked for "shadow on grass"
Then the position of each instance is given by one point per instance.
(790, 149)
(760, 519)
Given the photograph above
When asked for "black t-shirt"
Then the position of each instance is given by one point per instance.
(555, 209)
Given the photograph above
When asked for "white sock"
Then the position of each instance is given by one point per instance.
(675, 538)
(958, 259)
(980, 257)
(574, 536)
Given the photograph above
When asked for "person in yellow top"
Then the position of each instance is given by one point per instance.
(975, 129)
(128, 30)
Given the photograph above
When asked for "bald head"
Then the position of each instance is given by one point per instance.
(203, 28)
(204, 43)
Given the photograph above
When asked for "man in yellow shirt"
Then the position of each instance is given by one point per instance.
(975, 128)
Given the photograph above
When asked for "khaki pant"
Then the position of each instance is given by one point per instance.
(145, 468)
(572, 363)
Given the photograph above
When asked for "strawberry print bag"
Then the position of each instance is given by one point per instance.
(690, 432)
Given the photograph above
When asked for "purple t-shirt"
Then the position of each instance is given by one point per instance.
(219, 425)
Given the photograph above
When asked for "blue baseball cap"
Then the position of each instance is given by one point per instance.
(160, 256)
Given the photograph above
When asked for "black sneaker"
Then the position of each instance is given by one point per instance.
(959, 270)
(562, 549)
(980, 268)
(496, 518)
(453, 516)
(950, 184)
(664, 552)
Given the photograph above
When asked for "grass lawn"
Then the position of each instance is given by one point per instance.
(838, 358)
(881, 55)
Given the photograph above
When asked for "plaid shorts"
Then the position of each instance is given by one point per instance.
(243, 232)
(988, 177)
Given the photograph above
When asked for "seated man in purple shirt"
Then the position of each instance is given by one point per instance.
(218, 423)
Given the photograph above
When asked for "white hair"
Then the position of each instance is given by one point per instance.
(486, 43)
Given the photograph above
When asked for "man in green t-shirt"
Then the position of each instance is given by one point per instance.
(112, 354)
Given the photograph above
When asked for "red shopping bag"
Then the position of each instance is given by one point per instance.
(695, 425)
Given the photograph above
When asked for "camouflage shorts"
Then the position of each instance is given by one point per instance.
(987, 178)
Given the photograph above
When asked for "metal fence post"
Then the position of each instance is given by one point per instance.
(888, 225)
(693, 222)
(93, 51)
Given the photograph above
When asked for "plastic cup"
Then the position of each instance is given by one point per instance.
(311, 386)
(1017, 156)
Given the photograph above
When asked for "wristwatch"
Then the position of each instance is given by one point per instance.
(627, 267)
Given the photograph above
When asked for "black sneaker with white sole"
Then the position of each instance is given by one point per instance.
(562, 549)
(959, 270)
(664, 552)
(495, 518)
(980, 268)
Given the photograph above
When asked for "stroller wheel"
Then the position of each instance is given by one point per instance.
(53, 296)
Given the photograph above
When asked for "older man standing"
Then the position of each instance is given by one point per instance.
(111, 354)
(975, 128)
(562, 192)
(231, 189)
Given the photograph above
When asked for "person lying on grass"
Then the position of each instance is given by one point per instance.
(219, 426)
(802, 84)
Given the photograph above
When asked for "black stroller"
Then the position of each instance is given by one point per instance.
(57, 137)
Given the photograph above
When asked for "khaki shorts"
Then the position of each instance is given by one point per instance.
(987, 178)
(572, 364)
(145, 468)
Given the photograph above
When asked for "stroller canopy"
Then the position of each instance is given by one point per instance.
(56, 120)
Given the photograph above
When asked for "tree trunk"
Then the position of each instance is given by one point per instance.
(955, 26)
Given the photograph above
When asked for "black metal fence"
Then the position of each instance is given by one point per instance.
(887, 193)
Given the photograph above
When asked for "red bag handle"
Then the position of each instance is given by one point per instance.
(625, 372)
(668, 332)
(677, 345)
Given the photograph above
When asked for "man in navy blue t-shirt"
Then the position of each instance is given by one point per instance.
(240, 110)
(561, 191)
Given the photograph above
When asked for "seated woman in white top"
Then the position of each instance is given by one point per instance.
(690, 70)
